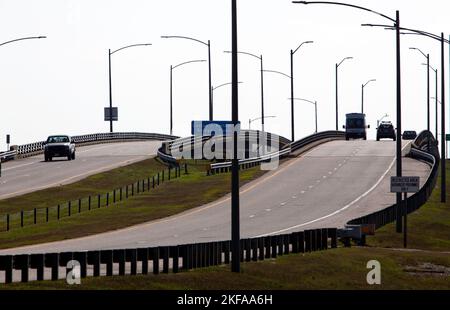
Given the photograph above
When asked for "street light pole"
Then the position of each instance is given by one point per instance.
(435, 97)
(362, 95)
(110, 83)
(235, 225)
(315, 108)
(260, 58)
(379, 121)
(171, 87)
(337, 90)
(443, 155)
(208, 45)
(220, 86)
(427, 56)
(250, 121)
(292, 88)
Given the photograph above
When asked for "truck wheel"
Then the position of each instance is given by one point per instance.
(45, 158)
(73, 156)
(365, 138)
(347, 138)
(69, 157)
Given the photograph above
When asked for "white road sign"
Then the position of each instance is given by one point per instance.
(405, 184)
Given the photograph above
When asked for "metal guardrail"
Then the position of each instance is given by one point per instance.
(389, 215)
(317, 137)
(37, 147)
(172, 258)
(291, 147)
(7, 155)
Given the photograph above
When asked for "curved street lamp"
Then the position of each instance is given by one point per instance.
(110, 53)
(16, 40)
(292, 87)
(220, 86)
(436, 96)
(22, 39)
(207, 44)
(315, 107)
(427, 56)
(171, 87)
(337, 90)
(250, 121)
(260, 58)
(362, 94)
(379, 121)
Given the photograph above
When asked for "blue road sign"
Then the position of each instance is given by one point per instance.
(213, 128)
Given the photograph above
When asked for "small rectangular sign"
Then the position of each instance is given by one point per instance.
(405, 184)
(447, 137)
(213, 128)
(115, 114)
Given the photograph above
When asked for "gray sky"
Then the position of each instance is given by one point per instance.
(60, 84)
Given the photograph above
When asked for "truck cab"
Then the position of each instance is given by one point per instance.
(355, 127)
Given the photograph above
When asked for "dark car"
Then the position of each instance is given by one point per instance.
(59, 146)
(386, 131)
(409, 135)
(355, 127)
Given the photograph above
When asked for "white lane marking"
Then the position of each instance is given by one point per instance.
(302, 192)
(283, 203)
(312, 186)
(335, 169)
(330, 173)
(20, 166)
(324, 177)
(268, 210)
(338, 211)
(252, 216)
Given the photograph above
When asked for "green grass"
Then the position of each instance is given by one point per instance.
(333, 269)
(178, 195)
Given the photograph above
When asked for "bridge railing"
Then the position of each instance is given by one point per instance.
(37, 147)
(424, 148)
(162, 259)
(288, 149)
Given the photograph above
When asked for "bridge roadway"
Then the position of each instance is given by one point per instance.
(31, 174)
(326, 187)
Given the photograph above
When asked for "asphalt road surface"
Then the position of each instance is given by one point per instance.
(327, 187)
(31, 174)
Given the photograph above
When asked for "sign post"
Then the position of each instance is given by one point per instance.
(405, 185)
(8, 141)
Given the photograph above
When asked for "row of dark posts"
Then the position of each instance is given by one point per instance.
(135, 187)
(175, 258)
(228, 169)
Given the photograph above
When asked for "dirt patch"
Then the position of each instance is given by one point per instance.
(429, 270)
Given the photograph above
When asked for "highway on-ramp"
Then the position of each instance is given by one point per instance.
(31, 174)
(332, 184)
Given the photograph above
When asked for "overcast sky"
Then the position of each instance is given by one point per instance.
(60, 84)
